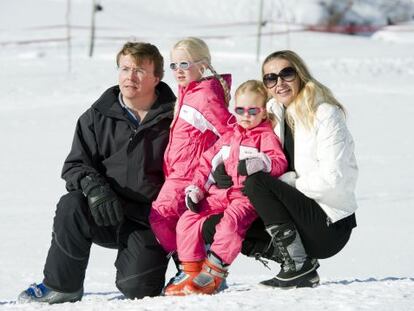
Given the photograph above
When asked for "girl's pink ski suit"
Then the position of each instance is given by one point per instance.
(238, 213)
(201, 118)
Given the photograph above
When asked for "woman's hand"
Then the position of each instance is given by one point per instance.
(289, 178)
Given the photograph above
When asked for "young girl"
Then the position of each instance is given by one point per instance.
(201, 117)
(251, 147)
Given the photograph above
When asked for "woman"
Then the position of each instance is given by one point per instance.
(309, 211)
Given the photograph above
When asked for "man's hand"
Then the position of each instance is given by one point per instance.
(250, 166)
(223, 180)
(104, 204)
(193, 195)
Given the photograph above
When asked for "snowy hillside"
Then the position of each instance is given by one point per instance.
(40, 102)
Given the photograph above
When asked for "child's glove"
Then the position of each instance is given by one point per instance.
(250, 166)
(223, 180)
(193, 195)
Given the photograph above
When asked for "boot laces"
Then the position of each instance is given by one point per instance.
(286, 261)
(274, 256)
(264, 262)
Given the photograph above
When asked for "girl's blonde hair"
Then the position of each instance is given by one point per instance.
(257, 87)
(198, 51)
(311, 92)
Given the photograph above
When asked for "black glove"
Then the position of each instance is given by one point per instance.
(104, 204)
(241, 168)
(193, 195)
(190, 204)
(223, 180)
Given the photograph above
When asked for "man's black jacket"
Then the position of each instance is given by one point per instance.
(130, 158)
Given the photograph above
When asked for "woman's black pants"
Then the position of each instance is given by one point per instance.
(277, 203)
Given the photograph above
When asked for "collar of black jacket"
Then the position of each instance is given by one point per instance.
(108, 104)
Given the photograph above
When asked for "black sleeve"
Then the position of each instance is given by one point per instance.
(83, 158)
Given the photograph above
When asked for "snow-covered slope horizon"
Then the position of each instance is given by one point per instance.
(41, 101)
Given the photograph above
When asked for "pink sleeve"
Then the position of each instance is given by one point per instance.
(218, 115)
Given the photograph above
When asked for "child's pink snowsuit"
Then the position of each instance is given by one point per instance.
(201, 118)
(238, 213)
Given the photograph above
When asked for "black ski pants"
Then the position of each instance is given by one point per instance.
(276, 203)
(141, 263)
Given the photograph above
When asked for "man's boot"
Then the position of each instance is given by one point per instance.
(42, 293)
(211, 277)
(188, 270)
(297, 269)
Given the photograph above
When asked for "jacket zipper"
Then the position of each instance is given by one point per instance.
(134, 132)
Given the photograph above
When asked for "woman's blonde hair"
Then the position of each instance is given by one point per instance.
(257, 87)
(198, 50)
(311, 92)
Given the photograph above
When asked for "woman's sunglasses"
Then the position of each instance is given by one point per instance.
(182, 65)
(251, 111)
(287, 74)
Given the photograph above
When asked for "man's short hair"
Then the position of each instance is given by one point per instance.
(141, 51)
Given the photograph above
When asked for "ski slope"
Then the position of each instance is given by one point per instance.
(41, 100)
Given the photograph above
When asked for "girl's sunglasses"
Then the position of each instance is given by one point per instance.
(182, 65)
(287, 74)
(251, 111)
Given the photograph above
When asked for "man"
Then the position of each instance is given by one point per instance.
(113, 173)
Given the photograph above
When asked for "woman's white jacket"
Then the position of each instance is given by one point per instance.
(325, 164)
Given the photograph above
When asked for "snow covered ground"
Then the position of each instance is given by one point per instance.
(40, 102)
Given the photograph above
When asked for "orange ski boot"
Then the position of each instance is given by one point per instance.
(209, 280)
(188, 271)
